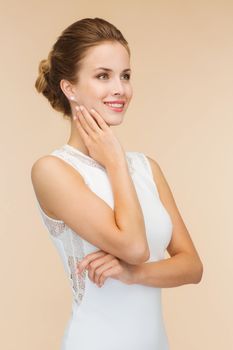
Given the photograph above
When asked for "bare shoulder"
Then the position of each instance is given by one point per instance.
(44, 161)
(45, 166)
(40, 166)
(64, 195)
(49, 163)
(46, 173)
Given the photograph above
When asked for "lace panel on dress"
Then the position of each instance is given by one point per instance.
(72, 243)
(55, 227)
(73, 246)
(74, 251)
(68, 153)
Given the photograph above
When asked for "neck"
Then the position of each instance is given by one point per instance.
(75, 139)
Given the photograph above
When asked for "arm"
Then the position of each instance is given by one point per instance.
(62, 191)
(127, 210)
(184, 265)
(172, 272)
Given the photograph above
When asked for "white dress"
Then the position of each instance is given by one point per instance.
(116, 316)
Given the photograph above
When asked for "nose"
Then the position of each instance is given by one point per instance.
(118, 87)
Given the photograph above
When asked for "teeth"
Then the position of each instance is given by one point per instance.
(115, 104)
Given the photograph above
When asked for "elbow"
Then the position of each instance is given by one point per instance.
(198, 273)
(194, 269)
(139, 256)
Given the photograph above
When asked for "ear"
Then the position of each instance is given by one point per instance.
(67, 88)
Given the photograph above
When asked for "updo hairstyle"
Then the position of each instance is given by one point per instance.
(64, 60)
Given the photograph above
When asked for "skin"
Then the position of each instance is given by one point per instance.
(184, 265)
(100, 264)
(93, 88)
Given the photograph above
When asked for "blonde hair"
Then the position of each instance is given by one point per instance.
(64, 60)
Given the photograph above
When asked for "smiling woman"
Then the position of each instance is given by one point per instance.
(100, 47)
(101, 205)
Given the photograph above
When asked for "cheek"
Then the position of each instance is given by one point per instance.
(129, 90)
(130, 94)
(90, 93)
(97, 91)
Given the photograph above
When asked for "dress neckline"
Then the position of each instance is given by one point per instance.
(82, 156)
(90, 161)
(79, 152)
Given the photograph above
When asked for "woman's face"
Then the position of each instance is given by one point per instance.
(96, 86)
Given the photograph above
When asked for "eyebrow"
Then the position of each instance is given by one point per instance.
(110, 70)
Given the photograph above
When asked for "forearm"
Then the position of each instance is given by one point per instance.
(172, 272)
(127, 210)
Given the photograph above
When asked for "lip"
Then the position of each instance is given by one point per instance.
(116, 101)
(116, 109)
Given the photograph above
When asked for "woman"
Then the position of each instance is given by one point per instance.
(110, 213)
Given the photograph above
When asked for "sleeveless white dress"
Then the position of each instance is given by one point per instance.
(116, 316)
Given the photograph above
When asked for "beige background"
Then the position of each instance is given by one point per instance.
(181, 115)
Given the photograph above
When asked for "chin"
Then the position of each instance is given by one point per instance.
(113, 120)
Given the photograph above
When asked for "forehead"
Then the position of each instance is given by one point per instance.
(108, 54)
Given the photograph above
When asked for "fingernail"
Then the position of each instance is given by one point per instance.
(77, 107)
(82, 108)
(74, 117)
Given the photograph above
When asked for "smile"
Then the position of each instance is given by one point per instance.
(117, 107)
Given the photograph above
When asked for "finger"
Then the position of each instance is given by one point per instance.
(102, 269)
(84, 123)
(88, 258)
(90, 120)
(98, 253)
(82, 131)
(101, 122)
(112, 271)
(96, 264)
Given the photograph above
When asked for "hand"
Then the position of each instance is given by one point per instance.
(97, 136)
(101, 265)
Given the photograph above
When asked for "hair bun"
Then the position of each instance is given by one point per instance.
(42, 80)
(44, 66)
(66, 57)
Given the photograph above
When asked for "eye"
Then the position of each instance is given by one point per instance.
(100, 75)
(128, 75)
(104, 74)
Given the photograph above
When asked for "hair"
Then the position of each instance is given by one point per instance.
(64, 60)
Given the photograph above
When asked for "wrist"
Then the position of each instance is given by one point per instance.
(135, 273)
(116, 164)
